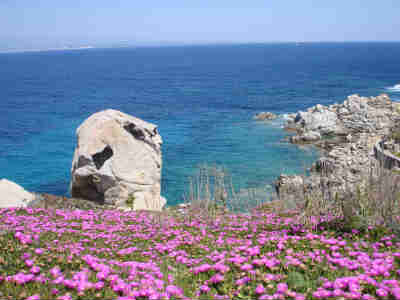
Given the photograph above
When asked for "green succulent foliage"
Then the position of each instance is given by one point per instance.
(130, 202)
(297, 280)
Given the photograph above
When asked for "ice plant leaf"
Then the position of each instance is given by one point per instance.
(296, 281)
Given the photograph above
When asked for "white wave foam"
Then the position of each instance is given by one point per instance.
(395, 88)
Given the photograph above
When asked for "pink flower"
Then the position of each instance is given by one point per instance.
(221, 268)
(246, 267)
(29, 262)
(242, 281)
(21, 278)
(102, 275)
(382, 293)
(58, 280)
(396, 293)
(54, 291)
(281, 288)
(99, 285)
(55, 272)
(174, 290)
(299, 297)
(204, 288)
(33, 297)
(35, 269)
(39, 251)
(202, 268)
(337, 293)
(217, 278)
(260, 289)
(354, 295)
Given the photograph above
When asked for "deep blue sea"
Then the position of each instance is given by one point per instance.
(203, 98)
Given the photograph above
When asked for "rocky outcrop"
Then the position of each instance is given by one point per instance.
(318, 119)
(14, 195)
(350, 131)
(306, 137)
(346, 167)
(262, 116)
(289, 188)
(355, 115)
(384, 150)
(117, 162)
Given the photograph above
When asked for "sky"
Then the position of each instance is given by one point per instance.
(58, 23)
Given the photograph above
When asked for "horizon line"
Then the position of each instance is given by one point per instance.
(124, 44)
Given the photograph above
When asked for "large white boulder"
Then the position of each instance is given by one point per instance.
(117, 161)
(14, 195)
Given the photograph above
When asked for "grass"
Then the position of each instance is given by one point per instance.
(108, 254)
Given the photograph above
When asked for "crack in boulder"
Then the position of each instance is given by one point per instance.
(136, 132)
(101, 157)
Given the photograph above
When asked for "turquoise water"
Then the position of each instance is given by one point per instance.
(202, 98)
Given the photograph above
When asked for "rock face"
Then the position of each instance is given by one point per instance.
(348, 157)
(265, 116)
(345, 167)
(309, 136)
(117, 162)
(289, 188)
(14, 195)
(355, 115)
(320, 119)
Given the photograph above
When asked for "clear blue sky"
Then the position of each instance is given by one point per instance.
(36, 23)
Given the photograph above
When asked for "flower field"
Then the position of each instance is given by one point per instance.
(109, 254)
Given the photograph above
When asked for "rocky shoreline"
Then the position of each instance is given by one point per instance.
(128, 175)
(346, 134)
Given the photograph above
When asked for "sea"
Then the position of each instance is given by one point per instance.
(203, 99)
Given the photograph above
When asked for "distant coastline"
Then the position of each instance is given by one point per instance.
(46, 49)
(181, 44)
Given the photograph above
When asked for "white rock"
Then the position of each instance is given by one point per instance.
(118, 157)
(325, 121)
(312, 136)
(14, 195)
(319, 108)
(308, 136)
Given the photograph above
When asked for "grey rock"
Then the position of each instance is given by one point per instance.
(288, 186)
(355, 127)
(309, 136)
(324, 121)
